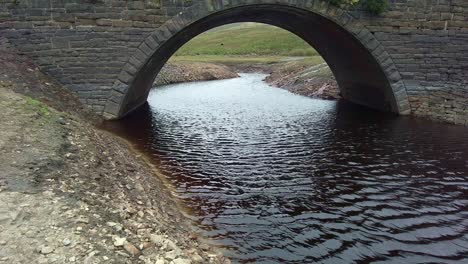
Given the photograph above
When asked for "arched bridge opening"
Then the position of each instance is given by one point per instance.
(364, 71)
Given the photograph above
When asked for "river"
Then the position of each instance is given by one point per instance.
(274, 177)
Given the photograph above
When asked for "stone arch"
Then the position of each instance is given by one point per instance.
(365, 72)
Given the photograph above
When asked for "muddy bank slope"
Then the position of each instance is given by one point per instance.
(303, 78)
(72, 193)
(307, 76)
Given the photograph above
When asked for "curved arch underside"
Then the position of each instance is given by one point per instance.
(364, 72)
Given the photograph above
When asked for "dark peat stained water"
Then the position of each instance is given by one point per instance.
(280, 178)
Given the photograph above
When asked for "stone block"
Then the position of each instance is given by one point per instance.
(136, 5)
(122, 23)
(151, 42)
(125, 77)
(104, 22)
(130, 69)
(111, 110)
(145, 49)
(433, 77)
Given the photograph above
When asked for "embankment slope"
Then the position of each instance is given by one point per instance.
(70, 192)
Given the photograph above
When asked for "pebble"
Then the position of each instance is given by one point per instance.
(196, 258)
(144, 245)
(131, 249)
(119, 241)
(172, 254)
(181, 261)
(118, 227)
(29, 234)
(89, 259)
(160, 261)
(111, 224)
(83, 220)
(46, 250)
(61, 121)
(42, 261)
(2, 242)
(204, 247)
(171, 245)
(211, 255)
(66, 242)
(157, 239)
(72, 259)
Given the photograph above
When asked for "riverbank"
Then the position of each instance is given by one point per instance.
(70, 192)
(307, 76)
(179, 72)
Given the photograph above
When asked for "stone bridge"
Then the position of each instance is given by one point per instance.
(411, 59)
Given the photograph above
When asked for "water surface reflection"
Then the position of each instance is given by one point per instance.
(276, 177)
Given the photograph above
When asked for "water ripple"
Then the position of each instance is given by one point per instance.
(280, 178)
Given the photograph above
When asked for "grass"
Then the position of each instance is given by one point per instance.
(292, 62)
(309, 61)
(38, 106)
(228, 59)
(247, 39)
(303, 68)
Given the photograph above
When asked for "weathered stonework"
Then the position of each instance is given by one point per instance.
(102, 49)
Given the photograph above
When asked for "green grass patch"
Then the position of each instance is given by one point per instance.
(37, 106)
(247, 39)
(229, 59)
(297, 66)
(288, 64)
(309, 61)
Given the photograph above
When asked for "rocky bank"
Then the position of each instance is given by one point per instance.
(316, 81)
(179, 72)
(72, 193)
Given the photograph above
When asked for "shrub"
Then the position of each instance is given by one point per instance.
(372, 6)
(375, 6)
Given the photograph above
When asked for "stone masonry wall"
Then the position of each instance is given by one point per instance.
(428, 42)
(85, 43)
